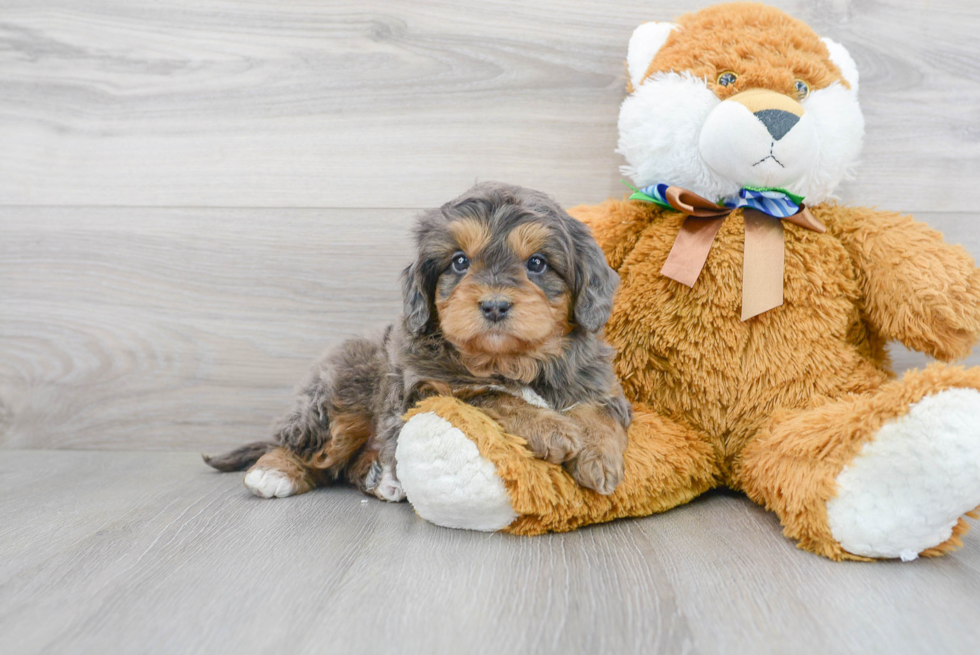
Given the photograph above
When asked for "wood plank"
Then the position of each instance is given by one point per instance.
(180, 328)
(153, 553)
(187, 328)
(340, 104)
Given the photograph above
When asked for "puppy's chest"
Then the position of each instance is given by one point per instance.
(538, 398)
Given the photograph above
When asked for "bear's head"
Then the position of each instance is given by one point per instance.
(739, 95)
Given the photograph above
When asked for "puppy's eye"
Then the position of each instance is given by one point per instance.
(727, 78)
(461, 263)
(802, 89)
(536, 264)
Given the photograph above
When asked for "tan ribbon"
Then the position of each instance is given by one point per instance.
(763, 255)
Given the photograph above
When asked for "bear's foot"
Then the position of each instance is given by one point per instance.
(447, 480)
(459, 469)
(906, 491)
(885, 474)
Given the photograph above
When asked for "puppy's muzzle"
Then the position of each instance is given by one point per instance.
(495, 310)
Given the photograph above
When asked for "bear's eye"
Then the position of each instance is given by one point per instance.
(461, 263)
(727, 78)
(536, 264)
(802, 89)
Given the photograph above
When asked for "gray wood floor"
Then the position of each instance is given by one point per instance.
(130, 552)
(198, 196)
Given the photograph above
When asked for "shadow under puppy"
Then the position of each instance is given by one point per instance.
(504, 307)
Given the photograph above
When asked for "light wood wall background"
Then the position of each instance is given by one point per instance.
(198, 196)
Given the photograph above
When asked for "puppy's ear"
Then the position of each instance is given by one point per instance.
(595, 282)
(417, 300)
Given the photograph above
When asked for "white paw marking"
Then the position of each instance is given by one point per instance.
(531, 397)
(446, 479)
(269, 483)
(908, 487)
(389, 488)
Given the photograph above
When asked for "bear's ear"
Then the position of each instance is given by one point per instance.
(647, 39)
(842, 59)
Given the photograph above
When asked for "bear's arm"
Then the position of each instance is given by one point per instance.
(616, 226)
(917, 288)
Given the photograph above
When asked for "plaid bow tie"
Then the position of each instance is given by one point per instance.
(772, 202)
(763, 256)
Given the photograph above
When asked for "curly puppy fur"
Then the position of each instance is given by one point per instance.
(503, 308)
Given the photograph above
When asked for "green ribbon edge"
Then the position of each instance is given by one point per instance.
(639, 195)
(792, 196)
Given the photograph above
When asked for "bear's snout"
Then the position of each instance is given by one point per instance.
(777, 121)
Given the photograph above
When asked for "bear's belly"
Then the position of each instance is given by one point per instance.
(686, 353)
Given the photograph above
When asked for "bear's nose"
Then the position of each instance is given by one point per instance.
(777, 121)
(495, 310)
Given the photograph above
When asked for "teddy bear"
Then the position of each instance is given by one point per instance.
(752, 320)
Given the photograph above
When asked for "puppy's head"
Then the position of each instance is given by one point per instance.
(504, 272)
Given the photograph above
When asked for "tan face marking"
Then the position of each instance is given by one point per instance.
(527, 239)
(759, 99)
(534, 328)
(471, 235)
(531, 320)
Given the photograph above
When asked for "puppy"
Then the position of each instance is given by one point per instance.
(503, 308)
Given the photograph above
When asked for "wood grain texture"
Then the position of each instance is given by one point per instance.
(153, 553)
(187, 328)
(153, 328)
(392, 104)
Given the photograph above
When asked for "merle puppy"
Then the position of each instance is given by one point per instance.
(504, 307)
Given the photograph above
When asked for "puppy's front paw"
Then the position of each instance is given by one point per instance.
(555, 439)
(387, 486)
(601, 472)
(269, 483)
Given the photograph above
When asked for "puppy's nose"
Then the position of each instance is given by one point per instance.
(777, 121)
(495, 310)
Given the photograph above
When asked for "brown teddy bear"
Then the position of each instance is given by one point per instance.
(752, 319)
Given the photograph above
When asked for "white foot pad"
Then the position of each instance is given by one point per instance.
(908, 487)
(446, 479)
(269, 483)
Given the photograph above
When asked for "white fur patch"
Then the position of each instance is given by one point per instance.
(268, 483)
(659, 129)
(839, 125)
(531, 397)
(446, 479)
(909, 486)
(843, 60)
(646, 41)
(389, 488)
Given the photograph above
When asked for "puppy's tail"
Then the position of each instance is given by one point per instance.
(240, 458)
